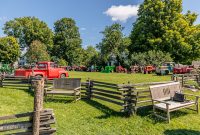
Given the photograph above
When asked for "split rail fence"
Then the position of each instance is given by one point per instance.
(38, 122)
(129, 96)
(187, 80)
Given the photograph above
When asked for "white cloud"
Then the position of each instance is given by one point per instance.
(83, 29)
(122, 13)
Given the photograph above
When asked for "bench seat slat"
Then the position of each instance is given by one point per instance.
(174, 105)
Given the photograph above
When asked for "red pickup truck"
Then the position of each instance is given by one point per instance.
(43, 69)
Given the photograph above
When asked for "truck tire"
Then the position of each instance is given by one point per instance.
(38, 76)
(166, 72)
(62, 76)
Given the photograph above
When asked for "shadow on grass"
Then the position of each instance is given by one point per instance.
(147, 111)
(108, 112)
(181, 132)
(144, 111)
(175, 114)
(23, 88)
(58, 99)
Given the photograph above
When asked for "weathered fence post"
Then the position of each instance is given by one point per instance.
(89, 88)
(198, 76)
(1, 80)
(182, 78)
(38, 104)
(128, 99)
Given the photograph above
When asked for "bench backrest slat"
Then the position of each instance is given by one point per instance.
(165, 91)
(66, 83)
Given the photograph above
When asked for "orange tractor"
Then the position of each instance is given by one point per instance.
(149, 69)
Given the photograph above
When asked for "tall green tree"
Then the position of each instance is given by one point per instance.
(9, 50)
(162, 26)
(28, 29)
(114, 44)
(37, 52)
(67, 41)
(91, 56)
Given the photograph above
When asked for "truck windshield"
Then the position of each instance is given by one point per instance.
(42, 66)
(52, 65)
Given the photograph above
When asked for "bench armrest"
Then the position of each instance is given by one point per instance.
(48, 88)
(77, 89)
(161, 101)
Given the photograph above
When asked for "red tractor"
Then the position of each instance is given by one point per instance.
(120, 69)
(149, 69)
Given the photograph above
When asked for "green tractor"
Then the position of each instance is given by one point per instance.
(6, 69)
(165, 69)
(108, 69)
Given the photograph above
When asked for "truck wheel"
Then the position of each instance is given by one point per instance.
(38, 76)
(166, 72)
(62, 76)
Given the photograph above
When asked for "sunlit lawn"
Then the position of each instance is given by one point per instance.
(97, 117)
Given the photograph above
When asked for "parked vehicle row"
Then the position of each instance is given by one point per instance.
(50, 70)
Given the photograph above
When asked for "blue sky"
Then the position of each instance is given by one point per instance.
(90, 15)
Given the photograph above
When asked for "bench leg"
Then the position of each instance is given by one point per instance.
(168, 116)
(158, 115)
(80, 95)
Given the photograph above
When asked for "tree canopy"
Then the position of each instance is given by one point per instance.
(37, 52)
(162, 26)
(114, 44)
(150, 58)
(9, 49)
(28, 29)
(91, 56)
(67, 41)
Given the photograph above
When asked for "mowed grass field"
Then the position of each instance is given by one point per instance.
(98, 117)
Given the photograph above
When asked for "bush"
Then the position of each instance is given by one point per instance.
(62, 62)
(150, 58)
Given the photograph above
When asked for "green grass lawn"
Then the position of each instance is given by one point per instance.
(97, 117)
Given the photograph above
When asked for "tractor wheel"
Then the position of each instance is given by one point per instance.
(62, 76)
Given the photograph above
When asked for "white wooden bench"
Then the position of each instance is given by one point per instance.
(162, 99)
(65, 86)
